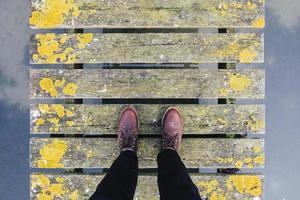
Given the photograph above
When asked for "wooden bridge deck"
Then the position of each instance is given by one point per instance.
(74, 137)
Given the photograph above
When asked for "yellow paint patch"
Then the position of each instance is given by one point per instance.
(51, 154)
(44, 108)
(46, 84)
(39, 122)
(239, 82)
(52, 13)
(70, 89)
(59, 109)
(259, 23)
(84, 39)
(259, 159)
(245, 184)
(247, 56)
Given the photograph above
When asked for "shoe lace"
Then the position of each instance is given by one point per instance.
(127, 140)
(170, 141)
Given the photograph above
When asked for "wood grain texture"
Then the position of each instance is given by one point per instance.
(147, 83)
(75, 187)
(146, 48)
(103, 119)
(147, 14)
(101, 152)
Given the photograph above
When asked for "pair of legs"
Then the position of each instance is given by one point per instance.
(174, 182)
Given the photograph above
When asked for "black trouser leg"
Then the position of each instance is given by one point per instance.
(173, 180)
(121, 180)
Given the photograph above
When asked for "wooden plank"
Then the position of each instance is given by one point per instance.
(146, 14)
(211, 186)
(146, 48)
(147, 83)
(100, 152)
(103, 119)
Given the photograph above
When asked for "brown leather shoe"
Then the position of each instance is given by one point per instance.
(172, 125)
(128, 129)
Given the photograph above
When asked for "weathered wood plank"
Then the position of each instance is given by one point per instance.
(147, 83)
(103, 119)
(146, 14)
(227, 187)
(100, 152)
(146, 48)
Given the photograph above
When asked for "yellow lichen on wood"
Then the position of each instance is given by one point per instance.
(223, 91)
(39, 122)
(46, 84)
(84, 39)
(239, 164)
(49, 190)
(248, 160)
(257, 149)
(238, 82)
(52, 13)
(246, 184)
(211, 189)
(69, 113)
(259, 159)
(255, 124)
(208, 186)
(59, 109)
(74, 195)
(44, 108)
(51, 154)
(247, 56)
(259, 23)
(251, 5)
(59, 83)
(49, 50)
(59, 179)
(70, 89)
(54, 121)
(69, 123)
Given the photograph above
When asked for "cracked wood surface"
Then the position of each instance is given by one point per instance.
(103, 119)
(147, 48)
(100, 152)
(147, 83)
(74, 186)
(147, 14)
